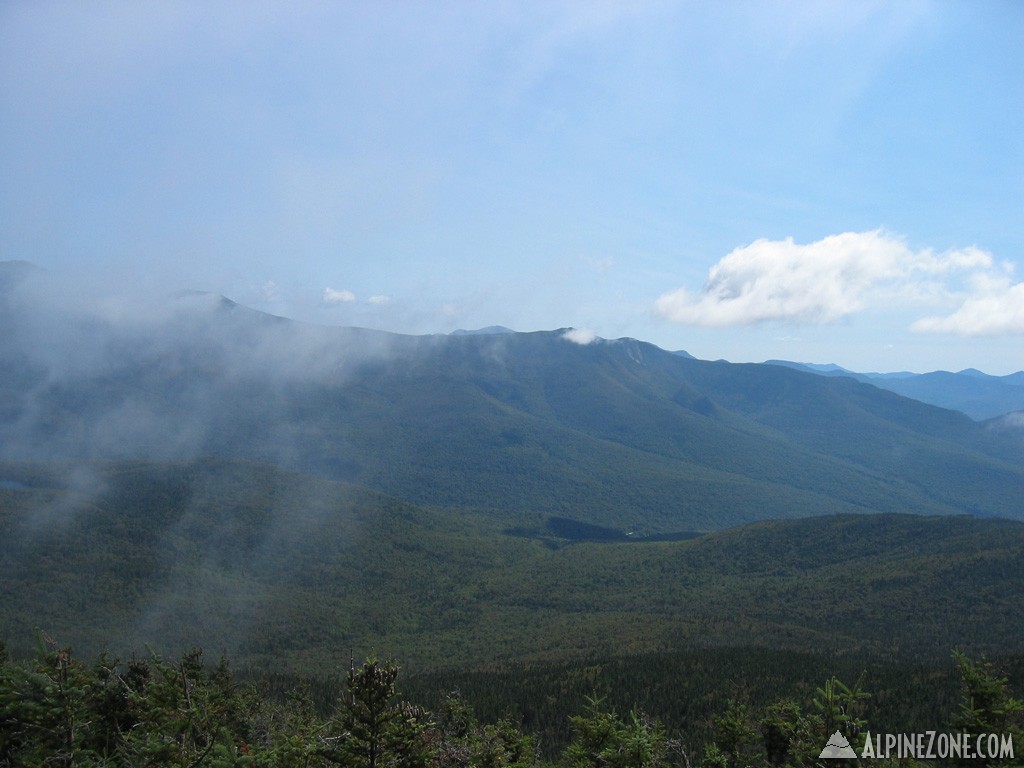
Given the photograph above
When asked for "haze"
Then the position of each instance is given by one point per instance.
(825, 182)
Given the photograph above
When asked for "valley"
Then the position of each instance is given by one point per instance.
(520, 516)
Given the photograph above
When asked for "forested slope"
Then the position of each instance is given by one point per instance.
(617, 433)
(277, 567)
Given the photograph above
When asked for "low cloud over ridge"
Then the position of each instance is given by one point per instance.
(581, 336)
(334, 296)
(840, 275)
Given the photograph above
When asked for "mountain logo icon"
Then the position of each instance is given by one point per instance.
(837, 748)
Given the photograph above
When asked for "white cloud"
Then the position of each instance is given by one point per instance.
(823, 281)
(378, 299)
(582, 336)
(991, 311)
(332, 296)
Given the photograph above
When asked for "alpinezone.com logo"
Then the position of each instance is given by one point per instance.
(929, 745)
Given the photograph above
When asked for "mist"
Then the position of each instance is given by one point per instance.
(193, 449)
(110, 397)
(92, 375)
(114, 403)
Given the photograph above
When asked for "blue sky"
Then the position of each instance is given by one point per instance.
(821, 181)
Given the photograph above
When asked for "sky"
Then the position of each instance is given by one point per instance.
(827, 182)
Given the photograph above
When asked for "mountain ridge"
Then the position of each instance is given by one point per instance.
(208, 473)
(618, 433)
(979, 395)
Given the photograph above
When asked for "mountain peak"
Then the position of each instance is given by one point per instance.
(488, 331)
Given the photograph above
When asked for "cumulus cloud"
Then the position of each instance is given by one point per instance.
(333, 296)
(581, 336)
(379, 299)
(991, 311)
(823, 281)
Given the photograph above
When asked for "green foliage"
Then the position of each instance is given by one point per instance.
(184, 713)
(58, 710)
(374, 728)
(41, 710)
(602, 738)
(272, 568)
(986, 704)
(734, 736)
(461, 741)
(840, 707)
(789, 736)
(55, 710)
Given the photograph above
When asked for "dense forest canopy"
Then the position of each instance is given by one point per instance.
(56, 709)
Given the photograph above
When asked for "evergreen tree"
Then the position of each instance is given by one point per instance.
(602, 738)
(184, 714)
(789, 735)
(840, 707)
(987, 706)
(735, 737)
(462, 742)
(42, 709)
(376, 728)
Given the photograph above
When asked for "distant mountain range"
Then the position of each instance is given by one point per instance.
(489, 330)
(205, 473)
(617, 433)
(969, 391)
